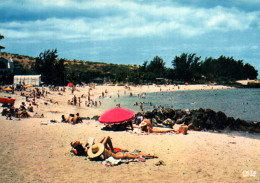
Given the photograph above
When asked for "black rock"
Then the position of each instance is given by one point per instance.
(168, 112)
(204, 119)
(149, 114)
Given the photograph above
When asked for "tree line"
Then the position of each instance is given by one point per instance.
(190, 68)
(185, 68)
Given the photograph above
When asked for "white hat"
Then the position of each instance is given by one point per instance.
(96, 150)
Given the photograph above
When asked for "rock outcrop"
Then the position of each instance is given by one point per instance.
(202, 119)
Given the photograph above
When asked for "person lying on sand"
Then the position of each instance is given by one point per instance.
(34, 103)
(105, 149)
(146, 126)
(25, 114)
(67, 120)
(184, 128)
(63, 119)
(73, 119)
(76, 119)
(119, 127)
(78, 148)
(30, 108)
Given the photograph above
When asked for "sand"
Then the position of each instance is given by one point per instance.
(245, 82)
(35, 150)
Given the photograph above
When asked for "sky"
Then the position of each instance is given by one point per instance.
(132, 31)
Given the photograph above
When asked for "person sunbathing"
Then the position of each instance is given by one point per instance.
(63, 119)
(103, 150)
(119, 127)
(184, 128)
(34, 103)
(66, 120)
(146, 126)
(78, 148)
(76, 119)
(25, 114)
(30, 108)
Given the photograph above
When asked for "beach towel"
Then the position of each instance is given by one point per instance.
(111, 161)
(139, 132)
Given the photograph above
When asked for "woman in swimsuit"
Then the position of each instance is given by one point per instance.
(146, 126)
(105, 149)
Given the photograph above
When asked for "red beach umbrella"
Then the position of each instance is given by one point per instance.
(70, 84)
(116, 115)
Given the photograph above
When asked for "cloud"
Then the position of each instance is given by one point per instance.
(169, 24)
(100, 20)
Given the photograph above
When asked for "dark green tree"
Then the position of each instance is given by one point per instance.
(52, 71)
(60, 72)
(157, 66)
(143, 67)
(142, 73)
(250, 71)
(210, 69)
(155, 69)
(225, 69)
(187, 67)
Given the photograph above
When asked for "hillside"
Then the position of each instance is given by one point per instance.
(186, 68)
(23, 63)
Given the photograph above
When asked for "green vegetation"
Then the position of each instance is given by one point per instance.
(186, 68)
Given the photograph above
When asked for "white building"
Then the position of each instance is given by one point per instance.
(6, 65)
(34, 80)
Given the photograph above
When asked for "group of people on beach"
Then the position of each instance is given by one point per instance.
(144, 125)
(89, 102)
(104, 150)
(23, 111)
(95, 151)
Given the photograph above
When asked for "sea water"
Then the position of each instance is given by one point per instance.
(237, 103)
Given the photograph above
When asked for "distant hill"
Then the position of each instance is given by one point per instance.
(23, 65)
(187, 68)
(20, 61)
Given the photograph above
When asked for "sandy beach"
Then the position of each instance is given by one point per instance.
(36, 150)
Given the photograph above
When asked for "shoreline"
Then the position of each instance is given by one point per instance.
(33, 152)
(97, 93)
